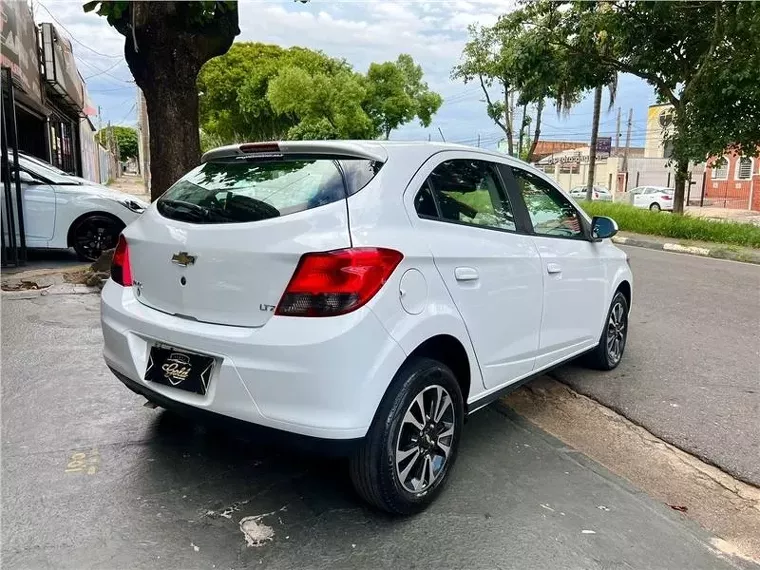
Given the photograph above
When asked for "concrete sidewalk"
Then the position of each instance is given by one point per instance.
(93, 479)
(131, 184)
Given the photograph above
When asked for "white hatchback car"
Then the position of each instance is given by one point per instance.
(599, 193)
(62, 211)
(363, 295)
(653, 198)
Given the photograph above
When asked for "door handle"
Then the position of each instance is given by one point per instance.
(465, 273)
(553, 268)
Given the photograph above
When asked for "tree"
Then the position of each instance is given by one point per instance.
(233, 90)
(166, 44)
(396, 94)
(514, 55)
(482, 61)
(700, 57)
(263, 92)
(325, 106)
(126, 137)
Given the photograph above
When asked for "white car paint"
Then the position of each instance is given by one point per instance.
(653, 197)
(517, 303)
(56, 200)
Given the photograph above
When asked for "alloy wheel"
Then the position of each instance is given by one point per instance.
(616, 331)
(425, 438)
(94, 236)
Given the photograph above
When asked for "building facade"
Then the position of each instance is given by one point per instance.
(733, 181)
(51, 105)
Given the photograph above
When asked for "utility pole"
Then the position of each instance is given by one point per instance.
(617, 133)
(442, 137)
(478, 140)
(627, 140)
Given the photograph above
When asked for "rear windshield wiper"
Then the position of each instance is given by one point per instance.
(202, 212)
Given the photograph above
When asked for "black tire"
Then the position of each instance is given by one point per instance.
(374, 470)
(92, 235)
(654, 207)
(602, 357)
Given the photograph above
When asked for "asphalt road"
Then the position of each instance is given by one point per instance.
(91, 479)
(691, 372)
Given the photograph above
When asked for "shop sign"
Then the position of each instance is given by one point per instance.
(19, 47)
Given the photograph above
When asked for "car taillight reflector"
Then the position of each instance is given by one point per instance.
(121, 272)
(337, 282)
(666, 197)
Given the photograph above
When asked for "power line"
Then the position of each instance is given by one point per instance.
(132, 108)
(105, 71)
(72, 35)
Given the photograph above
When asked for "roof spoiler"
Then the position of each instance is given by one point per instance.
(369, 150)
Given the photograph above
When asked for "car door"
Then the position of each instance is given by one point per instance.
(38, 206)
(574, 276)
(639, 196)
(491, 270)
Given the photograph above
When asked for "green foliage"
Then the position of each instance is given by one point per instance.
(642, 221)
(700, 57)
(126, 137)
(327, 106)
(396, 94)
(264, 92)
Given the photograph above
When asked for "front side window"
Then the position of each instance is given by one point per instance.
(550, 212)
(469, 192)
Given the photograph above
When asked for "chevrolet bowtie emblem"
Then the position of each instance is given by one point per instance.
(183, 259)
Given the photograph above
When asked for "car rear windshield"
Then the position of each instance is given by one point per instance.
(249, 190)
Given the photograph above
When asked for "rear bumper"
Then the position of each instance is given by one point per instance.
(271, 437)
(321, 378)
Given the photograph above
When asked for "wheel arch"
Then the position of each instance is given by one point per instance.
(625, 288)
(78, 220)
(450, 351)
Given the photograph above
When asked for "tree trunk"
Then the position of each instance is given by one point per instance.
(682, 176)
(592, 146)
(174, 134)
(523, 124)
(165, 48)
(508, 121)
(537, 132)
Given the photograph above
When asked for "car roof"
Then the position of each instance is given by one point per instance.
(369, 149)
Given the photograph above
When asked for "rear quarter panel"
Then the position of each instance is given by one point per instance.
(378, 218)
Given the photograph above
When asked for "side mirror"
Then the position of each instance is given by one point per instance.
(603, 227)
(26, 178)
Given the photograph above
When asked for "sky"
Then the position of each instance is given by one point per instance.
(433, 32)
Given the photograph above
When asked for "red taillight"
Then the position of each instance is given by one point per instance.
(667, 197)
(337, 282)
(121, 272)
(596, 195)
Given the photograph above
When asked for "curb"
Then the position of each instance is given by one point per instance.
(717, 252)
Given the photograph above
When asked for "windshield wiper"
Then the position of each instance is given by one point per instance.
(203, 212)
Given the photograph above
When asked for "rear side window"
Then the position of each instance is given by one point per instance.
(238, 191)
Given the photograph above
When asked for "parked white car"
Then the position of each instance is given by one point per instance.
(365, 296)
(62, 211)
(654, 198)
(599, 193)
